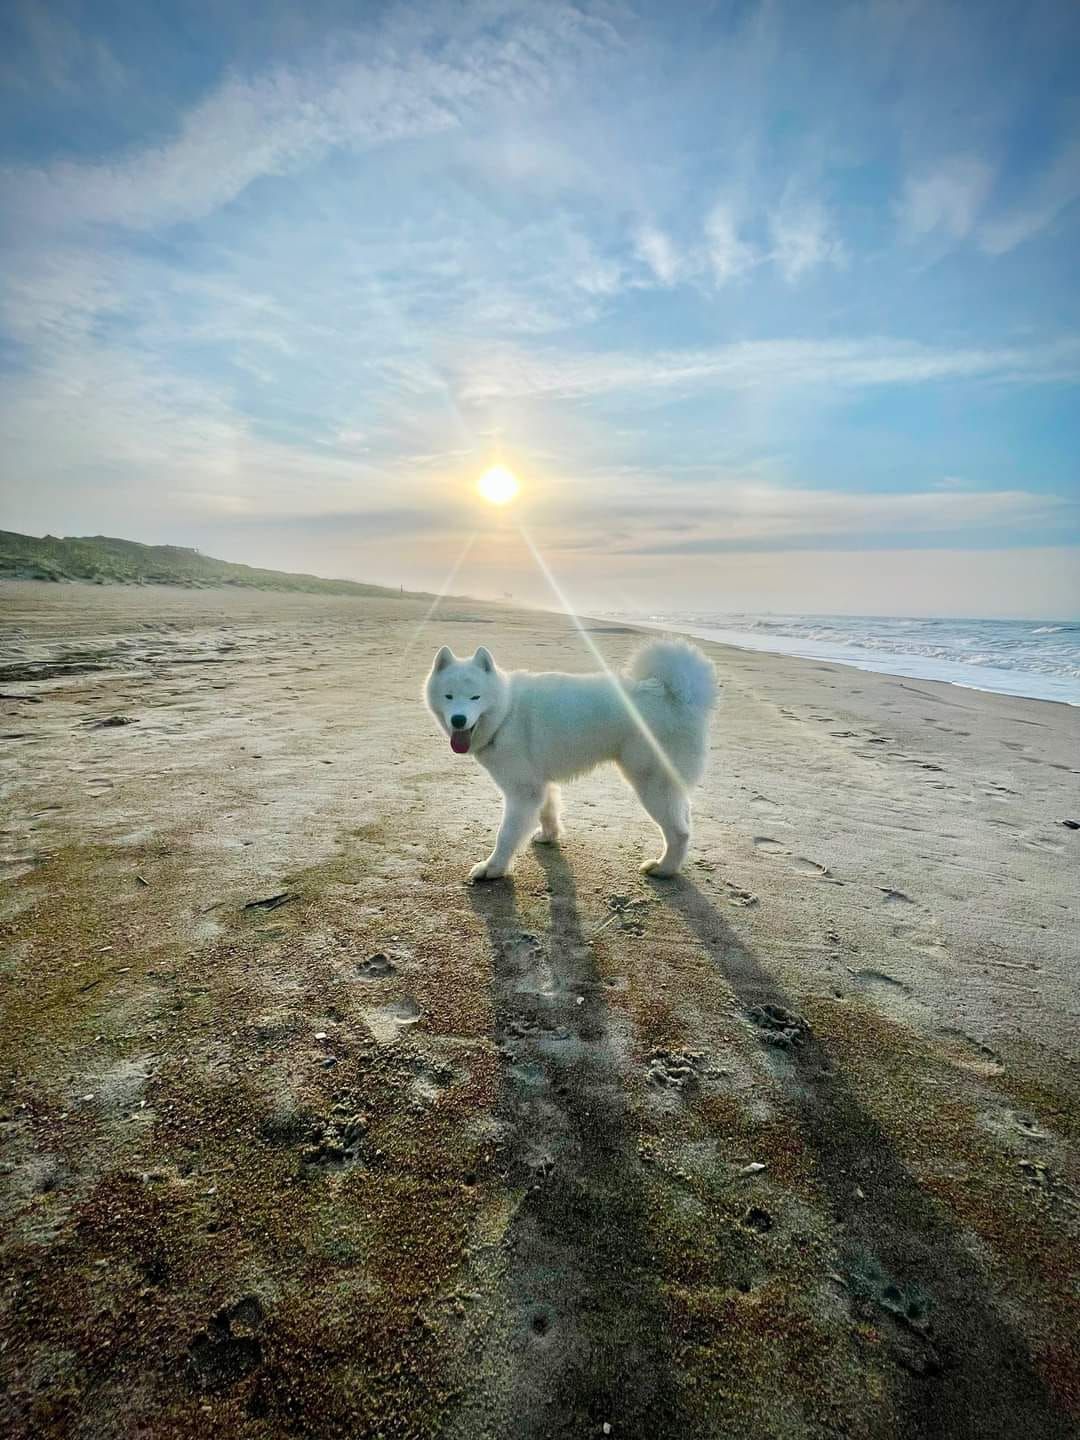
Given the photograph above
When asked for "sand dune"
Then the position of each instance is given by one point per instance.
(302, 1136)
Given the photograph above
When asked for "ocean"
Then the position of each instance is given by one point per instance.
(1035, 658)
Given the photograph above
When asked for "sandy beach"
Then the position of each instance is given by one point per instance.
(301, 1136)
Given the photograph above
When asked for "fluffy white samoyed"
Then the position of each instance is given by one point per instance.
(530, 731)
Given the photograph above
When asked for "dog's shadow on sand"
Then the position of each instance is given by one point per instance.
(908, 1266)
(590, 1334)
(589, 1338)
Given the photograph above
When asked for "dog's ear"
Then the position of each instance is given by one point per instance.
(442, 659)
(483, 659)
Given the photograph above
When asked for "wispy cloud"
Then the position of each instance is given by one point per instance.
(729, 254)
(803, 239)
(57, 53)
(752, 516)
(946, 199)
(269, 124)
(763, 365)
(1051, 194)
(659, 253)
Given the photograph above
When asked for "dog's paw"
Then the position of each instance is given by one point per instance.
(484, 871)
(544, 837)
(657, 870)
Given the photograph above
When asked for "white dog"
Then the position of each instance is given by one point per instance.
(531, 730)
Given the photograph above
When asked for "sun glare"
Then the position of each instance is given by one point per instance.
(498, 485)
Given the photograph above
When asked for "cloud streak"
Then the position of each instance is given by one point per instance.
(768, 365)
(803, 241)
(729, 255)
(757, 517)
(1051, 195)
(947, 199)
(658, 252)
(270, 124)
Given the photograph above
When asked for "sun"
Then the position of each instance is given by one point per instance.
(498, 485)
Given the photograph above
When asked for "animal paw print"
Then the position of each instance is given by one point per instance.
(624, 910)
(376, 967)
(334, 1144)
(779, 1027)
(673, 1070)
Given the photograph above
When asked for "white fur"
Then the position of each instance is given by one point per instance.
(530, 731)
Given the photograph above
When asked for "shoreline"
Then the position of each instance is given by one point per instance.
(828, 654)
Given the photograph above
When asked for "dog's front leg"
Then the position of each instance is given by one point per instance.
(521, 807)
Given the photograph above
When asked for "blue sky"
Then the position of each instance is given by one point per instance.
(770, 305)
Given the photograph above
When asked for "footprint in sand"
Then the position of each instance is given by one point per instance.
(907, 1304)
(228, 1350)
(1028, 1126)
(376, 967)
(405, 1011)
(919, 939)
(877, 980)
(779, 1027)
(386, 1021)
(1018, 1130)
(522, 946)
(895, 897)
(673, 1071)
(801, 864)
(335, 1143)
(758, 1218)
(967, 1053)
(430, 1080)
(804, 866)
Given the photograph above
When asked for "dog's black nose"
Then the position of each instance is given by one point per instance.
(458, 722)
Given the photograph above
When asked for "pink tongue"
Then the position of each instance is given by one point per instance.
(460, 741)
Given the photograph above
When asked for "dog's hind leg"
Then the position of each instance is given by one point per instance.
(550, 828)
(521, 806)
(669, 805)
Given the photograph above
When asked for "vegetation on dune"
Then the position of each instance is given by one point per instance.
(105, 561)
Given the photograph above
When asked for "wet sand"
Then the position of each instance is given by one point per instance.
(300, 1136)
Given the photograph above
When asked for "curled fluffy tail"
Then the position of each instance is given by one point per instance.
(681, 669)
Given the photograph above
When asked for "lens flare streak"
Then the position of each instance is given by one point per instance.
(441, 596)
(616, 681)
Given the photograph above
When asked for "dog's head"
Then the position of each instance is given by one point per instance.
(460, 693)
